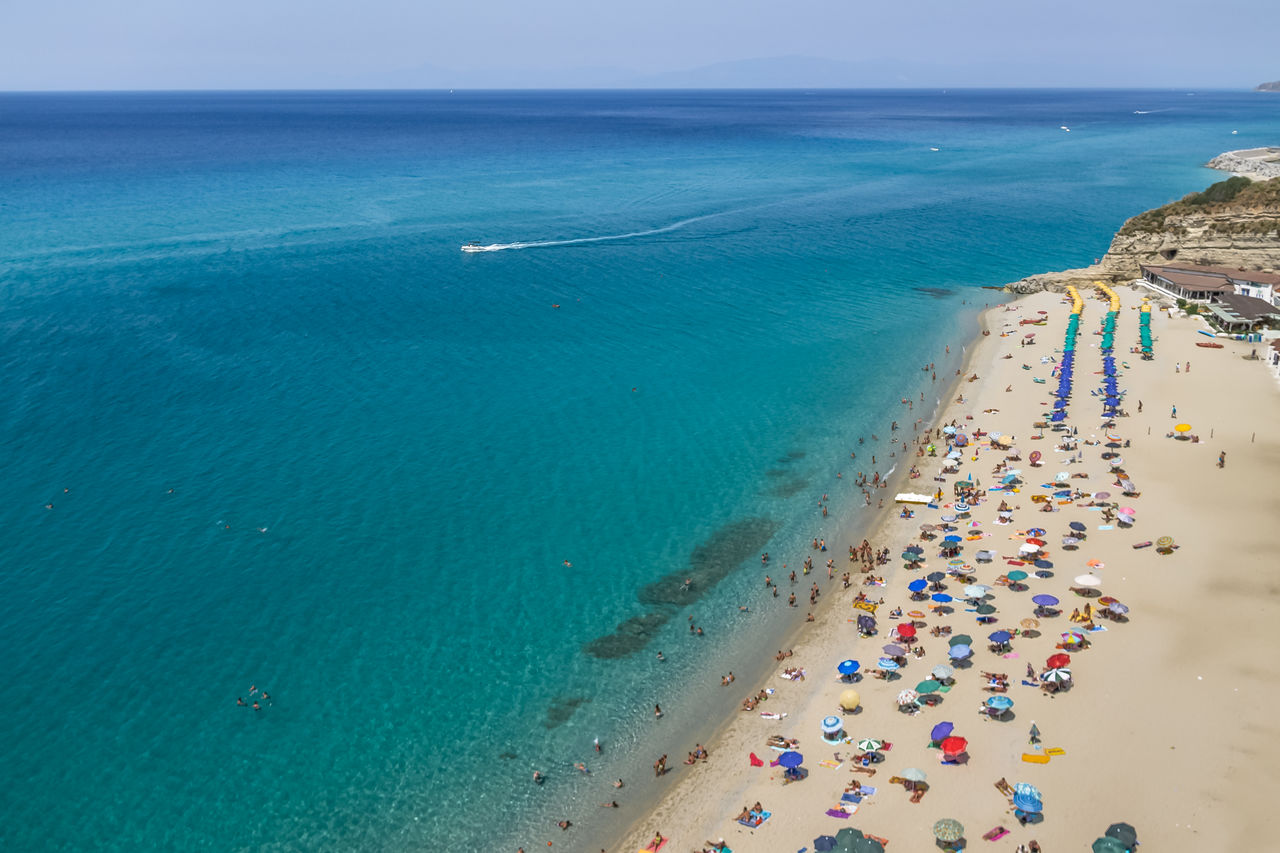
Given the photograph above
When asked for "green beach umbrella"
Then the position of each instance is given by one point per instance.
(928, 686)
(1107, 844)
(870, 744)
(986, 609)
(961, 640)
(1017, 575)
(948, 829)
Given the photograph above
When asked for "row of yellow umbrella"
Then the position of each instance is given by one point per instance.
(1111, 294)
(1077, 304)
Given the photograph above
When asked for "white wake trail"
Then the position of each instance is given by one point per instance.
(542, 244)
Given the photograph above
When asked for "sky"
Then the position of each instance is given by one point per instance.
(184, 44)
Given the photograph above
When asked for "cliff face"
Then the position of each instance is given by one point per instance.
(1234, 224)
(1269, 87)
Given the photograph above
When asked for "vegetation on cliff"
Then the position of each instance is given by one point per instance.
(1225, 197)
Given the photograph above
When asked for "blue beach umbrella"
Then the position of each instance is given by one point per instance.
(848, 667)
(952, 538)
(941, 730)
(1027, 798)
(941, 597)
(999, 636)
(1043, 564)
(1044, 600)
(960, 652)
(888, 664)
(1000, 703)
(918, 585)
(791, 760)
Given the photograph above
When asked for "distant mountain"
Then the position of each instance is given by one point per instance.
(792, 72)
(1269, 87)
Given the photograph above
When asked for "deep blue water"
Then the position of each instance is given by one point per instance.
(381, 450)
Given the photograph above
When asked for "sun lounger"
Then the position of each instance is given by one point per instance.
(1057, 750)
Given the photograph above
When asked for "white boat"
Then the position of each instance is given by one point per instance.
(473, 246)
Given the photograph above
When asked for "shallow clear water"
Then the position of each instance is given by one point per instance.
(381, 450)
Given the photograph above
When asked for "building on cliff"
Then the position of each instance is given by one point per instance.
(1206, 284)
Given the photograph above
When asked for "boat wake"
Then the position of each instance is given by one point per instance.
(543, 244)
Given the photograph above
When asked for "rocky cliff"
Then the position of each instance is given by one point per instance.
(1269, 87)
(1258, 163)
(1233, 223)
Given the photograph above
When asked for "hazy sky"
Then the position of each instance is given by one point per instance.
(77, 44)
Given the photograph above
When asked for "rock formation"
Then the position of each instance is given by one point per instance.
(1234, 223)
(1269, 87)
(1258, 163)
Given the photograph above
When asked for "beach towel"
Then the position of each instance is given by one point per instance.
(827, 762)
(850, 797)
(867, 790)
(995, 834)
(1035, 759)
(769, 716)
(755, 819)
(842, 813)
(652, 849)
(1057, 750)
(756, 761)
(1096, 628)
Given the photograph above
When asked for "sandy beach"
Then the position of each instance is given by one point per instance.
(1166, 723)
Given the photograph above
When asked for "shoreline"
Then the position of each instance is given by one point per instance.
(1114, 713)
(850, 529)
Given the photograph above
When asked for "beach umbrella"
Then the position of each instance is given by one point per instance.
(941, 730)
(1017, 575)
(1043, 564)
(1028, 548)
(948, 518)
(1072, 638)
(954, 745)
(985, 609)
(976, 590)
(824, 843)
(960, 652)
(1000, 637)
(914, 549)
(1034, 539)
(791, 760)
(927, 528)
(1000, 703)
(1068, 541)
(1128, 510)
(848, 667)
(948, 830)
(942, 672)
(831, 725)
(1044, 600)
(870, 744)
(1088, 580)
(849, 700)
(915, 614)
(866, 623)
(1182, 428)
(1036, 531)
(914, 774)
(952, 538)
(1107, 599)
(1077, 526)
(1124, 833)
(935, 577)
(908, 697)
(906, 630)
(1118, 608)
(888, 664)
(850, 840)
(918, 585)
(1030, 624)
(941, 597)
(1027, 798)
(949, 430)
(893, 650)
(1057, 661)
(912, 557)
(985, 556)
(927, 686)
(1095, 564)
(1109, 845)
(1056, 675)
(1164, 542)
(961, 640)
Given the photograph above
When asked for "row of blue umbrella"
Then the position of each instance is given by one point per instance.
(1066, 369)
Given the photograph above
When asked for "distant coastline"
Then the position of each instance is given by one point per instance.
(1260, 164)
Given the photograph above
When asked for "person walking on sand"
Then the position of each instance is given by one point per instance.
(1173, 413)
(1035, 734)
(1222, 459)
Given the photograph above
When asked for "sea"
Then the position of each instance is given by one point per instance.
(269, 436)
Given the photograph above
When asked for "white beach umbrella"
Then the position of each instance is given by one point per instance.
(908, 697)
(1089, 580)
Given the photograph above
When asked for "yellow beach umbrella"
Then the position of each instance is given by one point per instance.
(850, 700)
(1182, 428)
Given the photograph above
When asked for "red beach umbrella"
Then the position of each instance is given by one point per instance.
(1039, 542)
(954, 745)
(1057, 661)
(906, 630)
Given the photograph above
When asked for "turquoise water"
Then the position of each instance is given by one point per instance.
(382, 450)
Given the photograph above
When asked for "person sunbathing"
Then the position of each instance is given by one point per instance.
(745, 815)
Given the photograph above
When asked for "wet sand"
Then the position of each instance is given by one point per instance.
(1168, 723)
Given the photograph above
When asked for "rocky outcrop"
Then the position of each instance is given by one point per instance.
(1269, 87)
(1258, 163)
(1235, 223)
